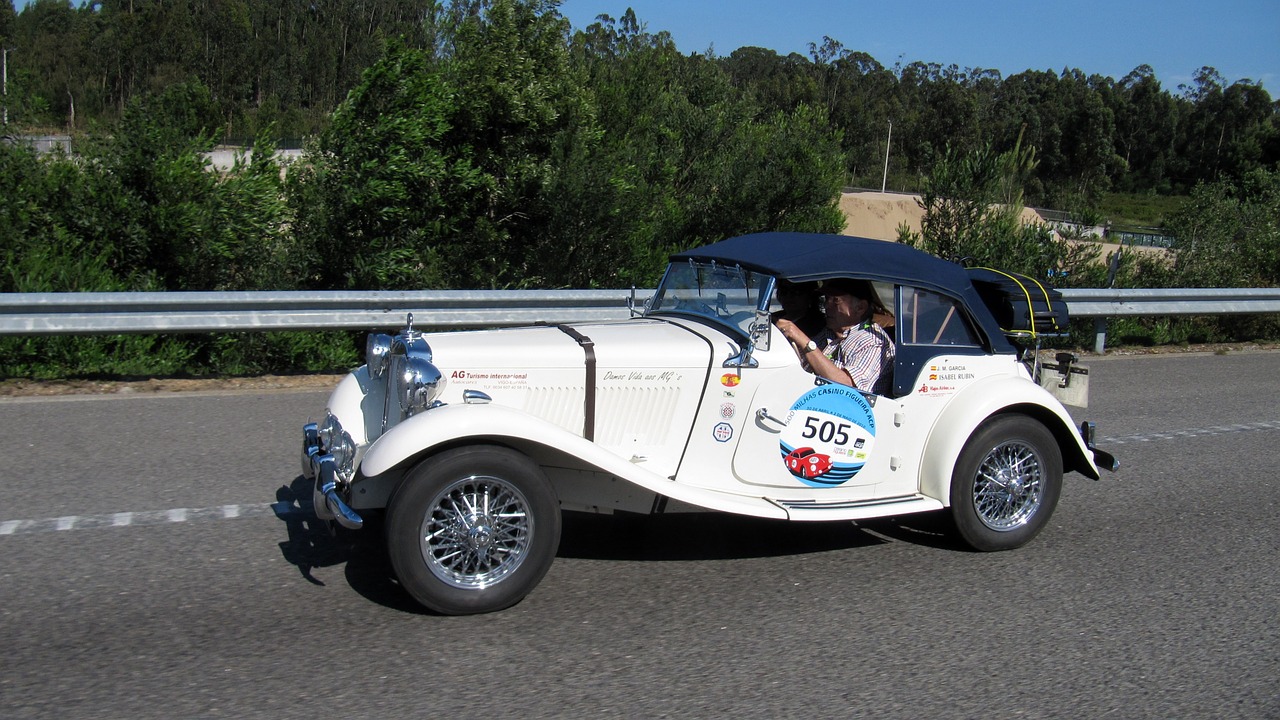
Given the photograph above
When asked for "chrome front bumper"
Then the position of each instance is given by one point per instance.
(320, 467)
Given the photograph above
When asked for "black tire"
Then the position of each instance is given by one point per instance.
(1006, 483)
(473, 530)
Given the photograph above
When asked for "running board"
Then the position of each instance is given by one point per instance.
(856, 509)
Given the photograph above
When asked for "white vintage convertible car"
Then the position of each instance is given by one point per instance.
(474, 442)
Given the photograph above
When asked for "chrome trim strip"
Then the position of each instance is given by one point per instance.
(843, 504)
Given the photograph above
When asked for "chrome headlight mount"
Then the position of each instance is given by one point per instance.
(377, 354)
(413, 382)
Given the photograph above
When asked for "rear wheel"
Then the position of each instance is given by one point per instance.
(1006, 483)
(473, 530)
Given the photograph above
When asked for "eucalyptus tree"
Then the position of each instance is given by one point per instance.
(1147, 120)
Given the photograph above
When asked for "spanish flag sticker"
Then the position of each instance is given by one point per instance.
(730, 380)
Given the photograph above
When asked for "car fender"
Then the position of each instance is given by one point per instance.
(451, 425)
(355, 406)
(974, 405)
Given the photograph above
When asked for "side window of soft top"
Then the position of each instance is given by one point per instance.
(927, 318)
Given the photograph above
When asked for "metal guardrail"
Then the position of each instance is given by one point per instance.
(1101, 304)
(204, 312)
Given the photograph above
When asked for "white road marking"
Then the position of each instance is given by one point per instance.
(154, 517)
(1105, 442)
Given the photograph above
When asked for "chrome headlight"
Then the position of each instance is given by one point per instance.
(337, 442)
(420, 384)
(377, 353)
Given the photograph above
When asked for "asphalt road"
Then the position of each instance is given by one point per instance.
(156, 565)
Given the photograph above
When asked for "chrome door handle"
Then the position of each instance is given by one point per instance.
(763, 414)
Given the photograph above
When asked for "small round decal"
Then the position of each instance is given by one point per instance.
(830, 433)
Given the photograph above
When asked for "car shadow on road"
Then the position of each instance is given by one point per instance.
(927, 529)
(700, 536)
(314, 543)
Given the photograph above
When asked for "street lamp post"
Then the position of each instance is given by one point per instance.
(6, 86)
(884, 182)
(5, 72)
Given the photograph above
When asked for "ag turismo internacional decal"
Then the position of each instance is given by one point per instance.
(830, 433)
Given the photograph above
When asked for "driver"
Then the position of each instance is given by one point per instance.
(852, 349)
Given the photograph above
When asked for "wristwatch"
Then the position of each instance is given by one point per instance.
(810, 346)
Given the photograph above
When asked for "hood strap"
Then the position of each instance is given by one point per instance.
(589, 411)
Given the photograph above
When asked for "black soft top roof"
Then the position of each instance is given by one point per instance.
(803, 257)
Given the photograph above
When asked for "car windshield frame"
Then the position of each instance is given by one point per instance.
(729, 296)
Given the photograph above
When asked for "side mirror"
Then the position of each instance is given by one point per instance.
(762, 331)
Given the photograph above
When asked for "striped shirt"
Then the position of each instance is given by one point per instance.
(866, 353)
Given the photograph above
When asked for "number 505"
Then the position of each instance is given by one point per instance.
(827, 431)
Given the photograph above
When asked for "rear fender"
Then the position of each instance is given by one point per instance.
(981, 401)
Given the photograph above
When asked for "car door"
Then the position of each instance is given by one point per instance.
(817, 439)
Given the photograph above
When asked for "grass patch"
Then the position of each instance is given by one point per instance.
(1139, 209)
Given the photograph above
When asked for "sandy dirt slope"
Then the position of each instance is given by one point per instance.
(878, 215)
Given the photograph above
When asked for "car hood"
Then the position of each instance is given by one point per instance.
(642, 372)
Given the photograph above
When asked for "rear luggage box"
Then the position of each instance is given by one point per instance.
(1022, 305)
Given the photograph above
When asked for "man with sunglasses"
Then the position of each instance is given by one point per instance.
(852, 349)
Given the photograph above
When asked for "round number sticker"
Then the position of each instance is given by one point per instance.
(830, 433)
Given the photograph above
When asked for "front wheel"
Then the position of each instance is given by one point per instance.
(473, 530)
(1006, 483)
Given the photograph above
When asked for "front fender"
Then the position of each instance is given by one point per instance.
(448, 424)
(972, 406)
(451, 424)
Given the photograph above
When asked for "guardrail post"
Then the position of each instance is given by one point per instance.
(1099, 335)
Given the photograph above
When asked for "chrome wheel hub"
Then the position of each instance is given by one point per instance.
(477, 532)
(1008, 488)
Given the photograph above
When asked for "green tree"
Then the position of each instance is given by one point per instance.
(522, 113)
(696, 159)
(1228, 233)
(1146, 129)
(381, 196)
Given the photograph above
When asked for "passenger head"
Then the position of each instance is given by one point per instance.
(797, 298)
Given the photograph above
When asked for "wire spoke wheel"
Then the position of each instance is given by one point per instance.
(1008, 487)
(473, 529)
(1006, 483)
(477, 532)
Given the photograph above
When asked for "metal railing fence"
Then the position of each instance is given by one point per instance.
(216, 312)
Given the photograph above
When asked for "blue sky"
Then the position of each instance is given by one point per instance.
(1240, 38)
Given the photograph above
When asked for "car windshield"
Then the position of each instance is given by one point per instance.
(727, 295)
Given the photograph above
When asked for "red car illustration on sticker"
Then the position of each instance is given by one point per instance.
(806, 463)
